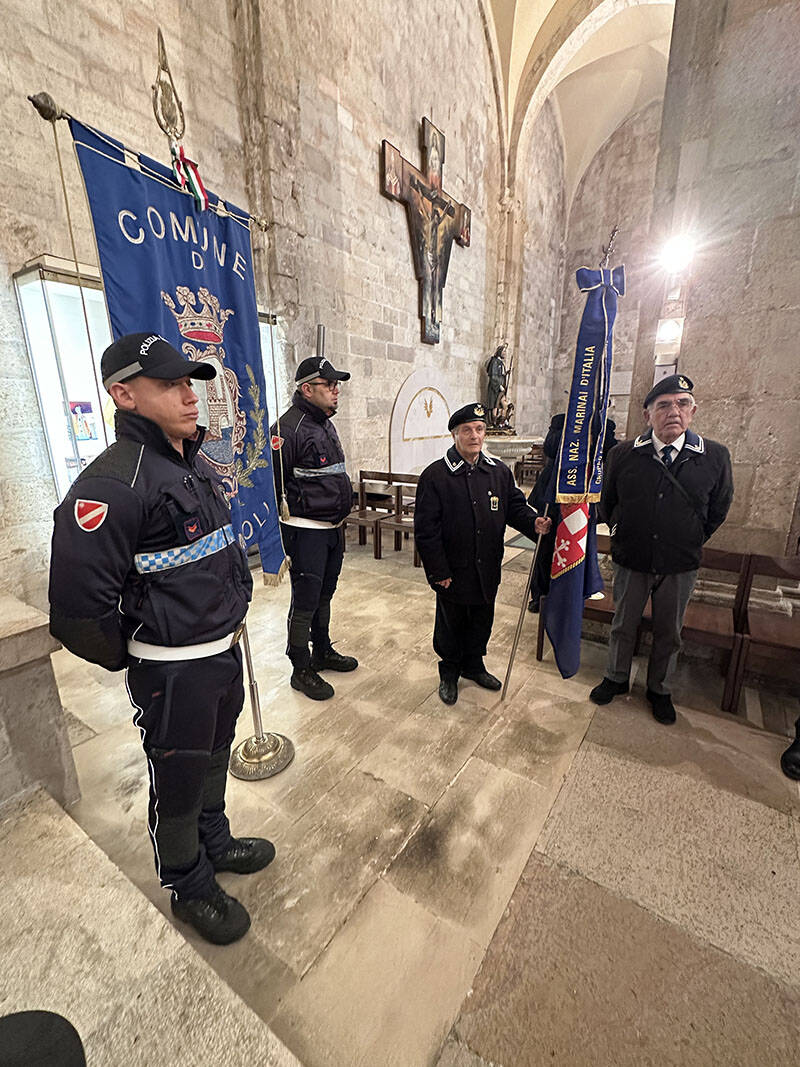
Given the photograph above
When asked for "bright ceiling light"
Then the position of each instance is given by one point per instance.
(669, 331)
(677, 253)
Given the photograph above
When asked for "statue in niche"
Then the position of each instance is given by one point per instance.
(434, 219)
(501, 412)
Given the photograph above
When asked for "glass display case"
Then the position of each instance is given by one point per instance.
(77, 414)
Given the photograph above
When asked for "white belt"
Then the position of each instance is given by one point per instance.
(140, 650)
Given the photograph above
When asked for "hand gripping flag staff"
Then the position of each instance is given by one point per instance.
(175, 256)
(577, 476)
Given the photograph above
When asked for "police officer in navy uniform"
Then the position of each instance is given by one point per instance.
(664, 494)
(464, 503)
(146, 574)
(310, 474)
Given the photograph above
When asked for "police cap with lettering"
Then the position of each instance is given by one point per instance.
(319, 367)
(150, 355)
(469, 413)
(673, 383)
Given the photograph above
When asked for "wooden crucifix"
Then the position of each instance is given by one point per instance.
(434, 220)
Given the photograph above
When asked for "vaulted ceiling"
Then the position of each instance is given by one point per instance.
(618, 68)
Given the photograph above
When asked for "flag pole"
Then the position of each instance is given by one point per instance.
(523, 610)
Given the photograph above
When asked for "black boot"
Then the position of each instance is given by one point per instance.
(217, 917)
(607, 690)
(663, 708)
(448, 690)
(306, 680)
(332, 661)
(790, 760)
(245, 855)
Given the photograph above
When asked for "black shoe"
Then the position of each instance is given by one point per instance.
(607, 690)
(790, 761)
(484, 680)
(663, 708)
(218, 918)
(333, 661)
(245, 855)
(533, 607)
(306, 680)
(448, 690)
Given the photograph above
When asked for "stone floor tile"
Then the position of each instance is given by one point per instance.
(536, 737)
(423, 753)
(326, 862)
(463, 862)
(721, 866)
(724, 752)
(577, 976)
(383, 991)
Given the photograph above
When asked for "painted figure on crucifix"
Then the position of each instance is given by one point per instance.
(434, 219)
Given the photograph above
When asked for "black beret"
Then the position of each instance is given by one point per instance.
(673, 383)
(469, 413)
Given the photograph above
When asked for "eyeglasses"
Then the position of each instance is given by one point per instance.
(684, 404)
(331, 386)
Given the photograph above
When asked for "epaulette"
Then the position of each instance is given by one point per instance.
(120, 461)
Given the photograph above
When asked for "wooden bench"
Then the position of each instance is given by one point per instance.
(365, 514)
(530, 465)
(767, 633)
(715, 625)
(401, 519)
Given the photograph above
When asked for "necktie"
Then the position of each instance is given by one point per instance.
(666, 455)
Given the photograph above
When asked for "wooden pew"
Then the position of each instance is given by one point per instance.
(767, 633)
(365, 514)
(401, 519)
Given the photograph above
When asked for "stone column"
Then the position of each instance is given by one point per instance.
(727, 172)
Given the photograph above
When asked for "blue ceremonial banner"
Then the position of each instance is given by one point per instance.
(580, 461)
(188, 275)
(578, 475)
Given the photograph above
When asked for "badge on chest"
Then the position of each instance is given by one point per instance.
(494, 501)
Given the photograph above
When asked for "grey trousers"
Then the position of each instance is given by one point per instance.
(669, 594)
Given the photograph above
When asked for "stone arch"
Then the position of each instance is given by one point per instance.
(565, 30)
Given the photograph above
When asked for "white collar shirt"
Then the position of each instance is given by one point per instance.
(660, 445)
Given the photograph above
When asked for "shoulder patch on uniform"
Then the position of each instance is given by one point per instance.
(275, 442)
(90, 514)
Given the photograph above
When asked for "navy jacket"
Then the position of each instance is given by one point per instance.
(460, 518)
(314, 477)
(655, 527)
(154, 500)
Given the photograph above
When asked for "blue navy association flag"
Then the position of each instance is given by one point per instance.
(188, 275)
(578, 473)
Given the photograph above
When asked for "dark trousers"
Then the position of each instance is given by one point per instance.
(669, 594)
(186, 711)
(316, 562)
(460, 636)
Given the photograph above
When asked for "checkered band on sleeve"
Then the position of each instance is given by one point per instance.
(150, 562)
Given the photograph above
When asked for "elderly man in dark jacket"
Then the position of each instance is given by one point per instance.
(664, 495)
(464, 502)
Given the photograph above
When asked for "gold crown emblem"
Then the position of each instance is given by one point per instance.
(206, 323)
(478, 410)
(682, 382)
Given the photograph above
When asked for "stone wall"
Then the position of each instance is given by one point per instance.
(617, 189)
(729, 171)
(541, 256)
(286, 109)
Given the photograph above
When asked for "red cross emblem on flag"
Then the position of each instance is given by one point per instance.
(90, 514)
(570, 546)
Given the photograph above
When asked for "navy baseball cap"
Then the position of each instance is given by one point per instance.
(150, 355)
(469, 413)
(673, 383)
(319, 367)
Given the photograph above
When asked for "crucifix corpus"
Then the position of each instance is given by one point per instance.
(434, 220)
